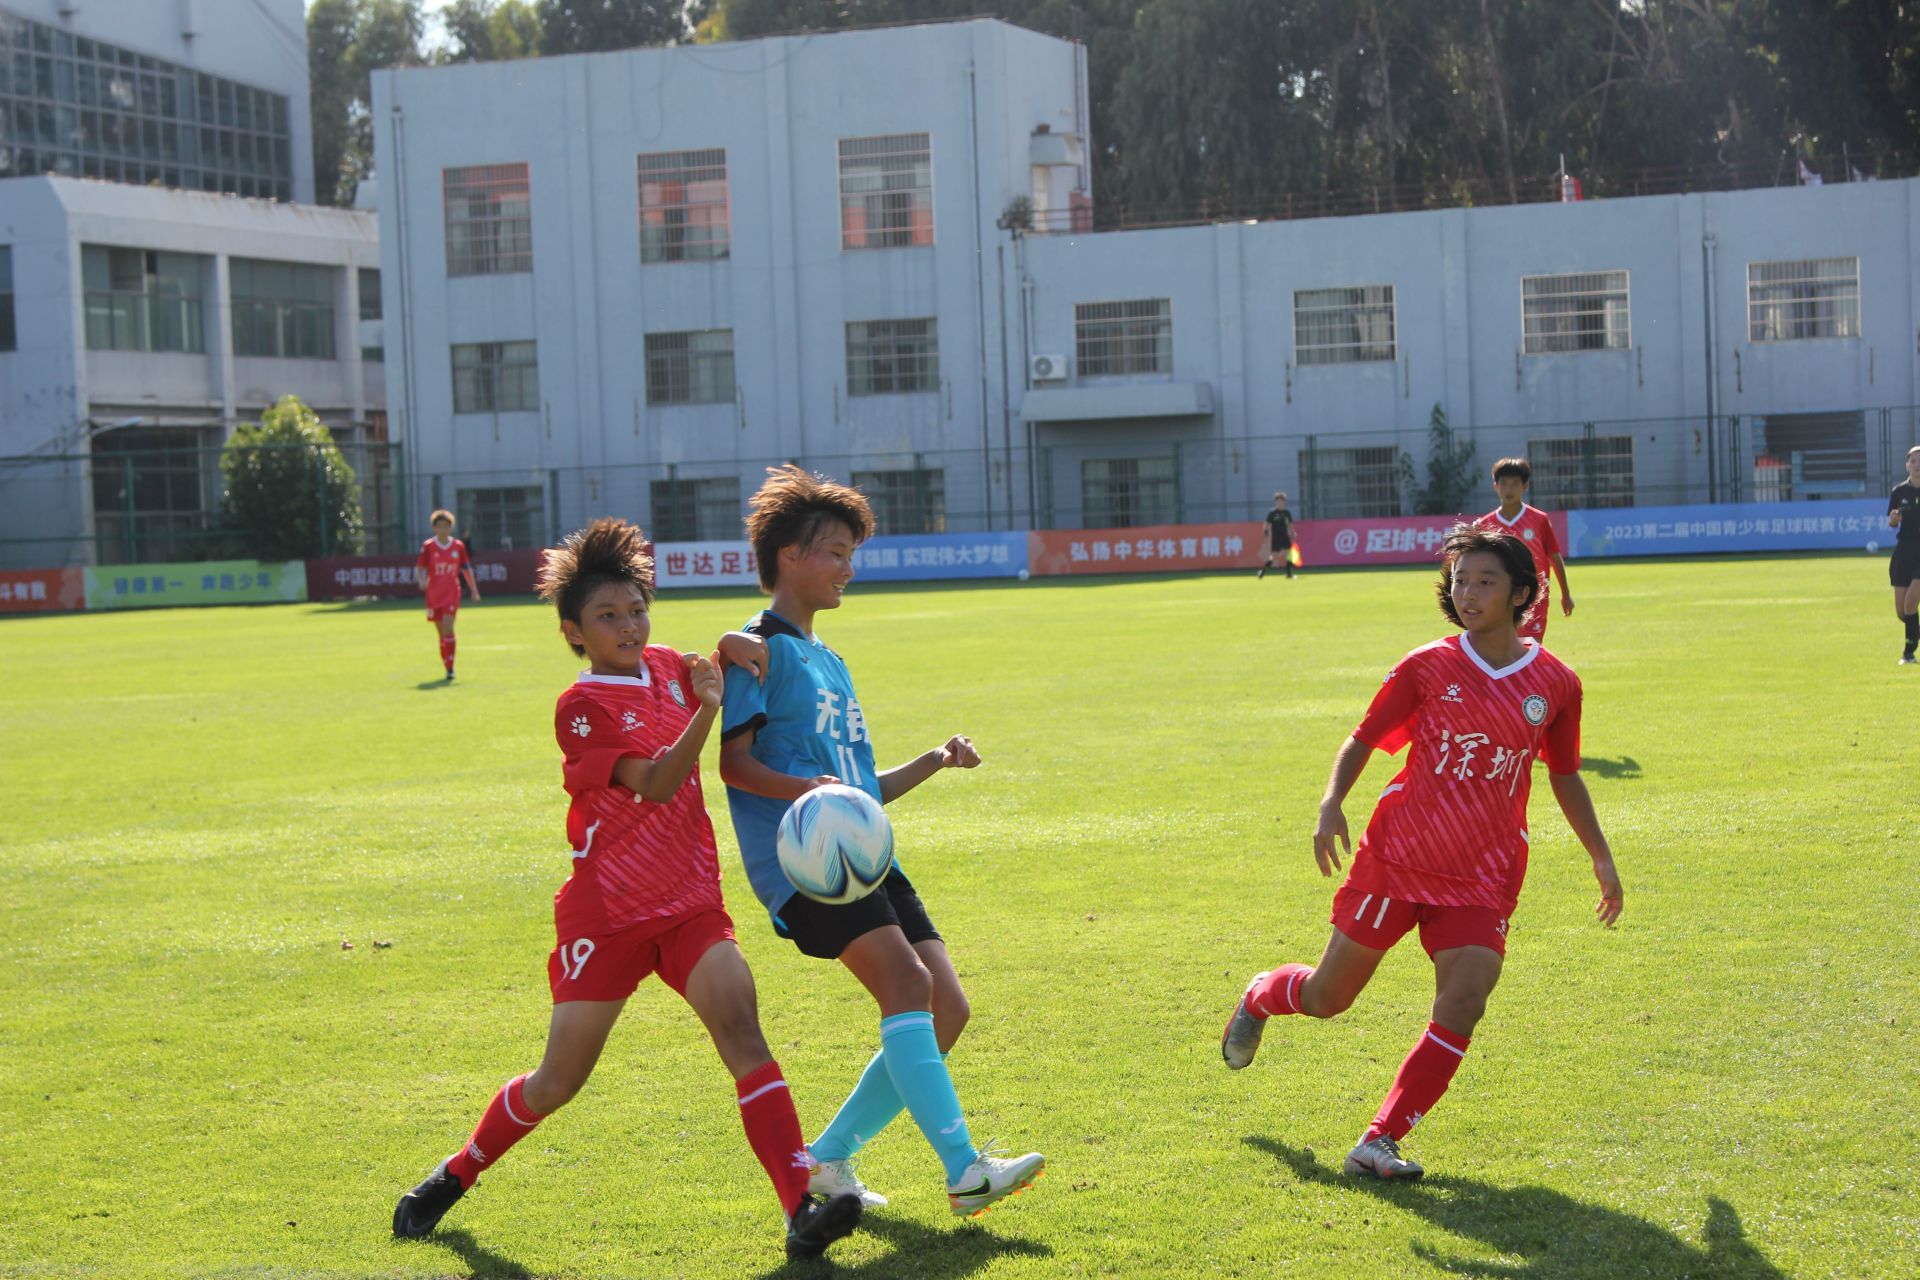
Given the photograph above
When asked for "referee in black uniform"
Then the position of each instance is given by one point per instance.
(1280, 536)
(1903, 513)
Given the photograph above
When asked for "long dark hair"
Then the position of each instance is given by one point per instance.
(1512, 553)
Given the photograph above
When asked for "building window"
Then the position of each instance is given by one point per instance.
(907, 501)
(886, 191)
(156, 493)
(1815, 298)
(6, 298)
(1581, 471)
(1344, 484)
(85, 108)
(1343, 326)
(690, 368)
(140, 300)
(502, 519)
(495, 377)
(696, 510)
(1586, 312)
(1123, 337)
(489, 220)
(1820, 455)
(282, 309)
(892, 355)
(683, 206)
(1124, 493)
(370, 310)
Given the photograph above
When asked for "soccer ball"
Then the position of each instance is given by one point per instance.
(835, 844)
(1873, 548)
(1023, 575)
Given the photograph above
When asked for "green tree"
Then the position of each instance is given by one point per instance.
(1450, 471)
(347, 41)
(290, 492)
(491, 30)
(598, 26)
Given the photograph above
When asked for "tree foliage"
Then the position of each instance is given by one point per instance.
(290, 492)
(347, 41)
(491, 30)
(1450, 471)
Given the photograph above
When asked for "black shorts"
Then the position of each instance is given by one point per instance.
(1905, 565)
(825, 931)
(1279, 548)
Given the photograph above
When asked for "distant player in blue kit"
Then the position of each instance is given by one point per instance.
(804, 728)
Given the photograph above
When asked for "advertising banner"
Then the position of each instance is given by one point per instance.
(704, 564)
(911, 557)
(509, 573)
(160, 586)
(42, 590)
(1327, 544)
(1162, 548)
(1740, 526)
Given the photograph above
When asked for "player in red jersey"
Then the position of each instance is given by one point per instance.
(442, 564)
(644, 896)
(1447, 847)
(1531, 525)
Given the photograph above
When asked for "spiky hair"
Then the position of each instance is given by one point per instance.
(608, 550)
(793, 508)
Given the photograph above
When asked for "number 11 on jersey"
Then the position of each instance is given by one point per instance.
(849, 769)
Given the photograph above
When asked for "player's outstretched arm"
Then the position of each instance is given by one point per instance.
(739, 649)
(1571, 791)
(1330, 832)
(958, 753)
(739, 770)
(658, 779)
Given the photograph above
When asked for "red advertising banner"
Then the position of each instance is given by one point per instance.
(391, 577)
(1163, 548)
(42, 590)
(1328, 544)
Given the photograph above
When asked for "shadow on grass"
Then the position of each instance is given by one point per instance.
(1553, 1234)
(919, 1252)
(1625, 767)
(442, 683)
(482, 1262)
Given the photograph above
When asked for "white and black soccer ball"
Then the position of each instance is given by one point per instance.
(1873, 547)
(835, 844)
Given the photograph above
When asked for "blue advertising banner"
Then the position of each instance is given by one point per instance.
(907, 557)
(1741, 526)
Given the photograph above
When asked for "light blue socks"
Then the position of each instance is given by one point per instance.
(870, 1108)
(910, 1072)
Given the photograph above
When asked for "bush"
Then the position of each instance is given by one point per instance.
(290, 492)
(1450, 471)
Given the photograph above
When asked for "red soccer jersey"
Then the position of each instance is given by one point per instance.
(1451, 828)
(1535, 528)
(443, 565)
(634, 860)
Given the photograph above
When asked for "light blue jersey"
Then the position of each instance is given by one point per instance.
(806, 721)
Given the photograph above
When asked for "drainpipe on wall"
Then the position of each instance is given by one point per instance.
(1707, 245)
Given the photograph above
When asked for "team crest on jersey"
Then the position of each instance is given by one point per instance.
(673, 687)
(1527, 534)
(1534, 708)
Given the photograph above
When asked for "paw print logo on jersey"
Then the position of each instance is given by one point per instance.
(629, 721)
(1452, 694)
(581, 727)
(1534, 708)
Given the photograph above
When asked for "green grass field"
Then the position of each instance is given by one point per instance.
(200, 806)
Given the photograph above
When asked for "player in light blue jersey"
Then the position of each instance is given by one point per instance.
(804, 728)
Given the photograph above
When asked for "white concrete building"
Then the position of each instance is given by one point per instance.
(137, 326)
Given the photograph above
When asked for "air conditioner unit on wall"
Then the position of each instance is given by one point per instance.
(1047, 368)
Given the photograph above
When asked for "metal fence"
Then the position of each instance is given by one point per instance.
(159, 505)
(164, 505)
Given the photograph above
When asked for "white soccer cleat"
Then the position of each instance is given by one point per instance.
(1241, 1040)
(990, 1179)
(1381, 1159)
(831, 1178)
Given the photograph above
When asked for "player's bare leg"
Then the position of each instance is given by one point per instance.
(1906, 603)
(720, 990)
(576, 1034)
(1325, 991)
(950, 1008)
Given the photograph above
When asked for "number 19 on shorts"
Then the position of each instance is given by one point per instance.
(573, 958)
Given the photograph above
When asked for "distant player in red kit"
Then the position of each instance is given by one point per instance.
(644, 896)
(442, 564)
(1446, 850)
(1531, 525)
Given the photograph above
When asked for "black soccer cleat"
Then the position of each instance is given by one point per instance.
(818, 1222)
(421, 1209)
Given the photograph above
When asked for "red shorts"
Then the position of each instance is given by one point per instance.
(1378, 922)
(609, 966)
(435, 612)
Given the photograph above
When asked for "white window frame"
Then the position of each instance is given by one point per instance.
(1325, 353)
(1841, 306)
(883, 237)
(1559, 471)
(1543, 342)
(1124, 324)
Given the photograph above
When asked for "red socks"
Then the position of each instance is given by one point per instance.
(1279, 991)
(1423, 1078)
(446, 651)
(773, 1131)
(508, 1119)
